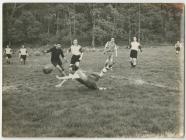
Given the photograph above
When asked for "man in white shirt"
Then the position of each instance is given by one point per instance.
(8, 53)
(77, 55)
(177, 47)
(23, 54)
(134, 47)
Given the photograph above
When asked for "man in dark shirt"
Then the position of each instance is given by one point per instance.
(56, 52)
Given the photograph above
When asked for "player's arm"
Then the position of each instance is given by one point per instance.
(27, 53)
(11, 51)
(47, 51)
(116, 50)
(140, 48)
(175, 46)
(181, 45)
(19, 53)
(68, 50)
(81, 56)
(105, 48)
(130, 45)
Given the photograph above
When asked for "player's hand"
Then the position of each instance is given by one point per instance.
(80, 58)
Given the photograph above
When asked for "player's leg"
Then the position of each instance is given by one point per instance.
(131, 61)
(134, 62)
(24, 59)
(107, 60)
(21, 59)
(131, 58)
(59, 66)
(74, 65)
(111, 61)
(77, 65)
(7, 59)
(135, 58)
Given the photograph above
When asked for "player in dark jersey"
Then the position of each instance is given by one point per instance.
(56, 52)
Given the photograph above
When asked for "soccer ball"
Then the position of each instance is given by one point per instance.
(47, 69)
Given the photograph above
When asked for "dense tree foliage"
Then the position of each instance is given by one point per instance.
(91, 23)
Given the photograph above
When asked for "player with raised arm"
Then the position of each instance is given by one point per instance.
(56, 57)
(8, 53)
(23, 53)
(134, 48)
(177, 47)
(77, 55)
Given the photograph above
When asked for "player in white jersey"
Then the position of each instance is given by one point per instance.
(134, 47)
(8, 53)
(177, 47)
(77, 55)
(23, 54)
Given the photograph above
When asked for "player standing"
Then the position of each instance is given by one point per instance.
(56, 57)
(109, 50)
(134, 47)
(177, 47)
(8, 53)
(77, 55)
(23, 53)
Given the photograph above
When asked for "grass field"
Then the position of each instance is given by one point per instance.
(143, 102)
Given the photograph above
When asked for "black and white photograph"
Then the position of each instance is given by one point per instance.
(85, 69)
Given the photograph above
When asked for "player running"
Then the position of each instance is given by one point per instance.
(56, 56)
(77, 55)
(109, 50)
(177, 47)
(134, 47)
(8, 53)
(23, 53)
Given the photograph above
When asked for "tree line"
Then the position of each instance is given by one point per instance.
(91, 23)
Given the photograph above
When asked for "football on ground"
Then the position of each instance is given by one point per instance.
(47, 69)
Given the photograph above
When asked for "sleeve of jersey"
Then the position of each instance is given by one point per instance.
(47, 51)
(106, 45)
(130, 46)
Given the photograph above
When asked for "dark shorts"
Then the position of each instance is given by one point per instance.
(74, 59)
(133, 53)
(57, 62)
(178, 49)
(23, 57)
(8, 55)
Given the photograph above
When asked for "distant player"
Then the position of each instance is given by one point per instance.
(134, 47)
(177, 47)
(23, 53)
(110, 49)
(8, 53)
(56, 57)
(77, 55)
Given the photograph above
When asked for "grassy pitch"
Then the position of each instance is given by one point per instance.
(142, 102)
